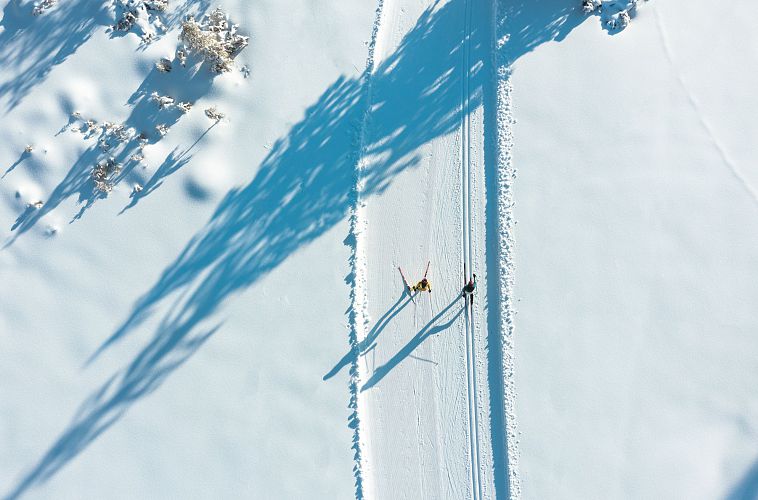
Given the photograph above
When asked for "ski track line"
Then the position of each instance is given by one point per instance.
(358, 313)
(506, 175)
(471, 388)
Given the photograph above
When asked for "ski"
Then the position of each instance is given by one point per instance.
(427, 268)
(407, 286)
(463, 292)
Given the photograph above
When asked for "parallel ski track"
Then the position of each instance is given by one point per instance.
(471, 393)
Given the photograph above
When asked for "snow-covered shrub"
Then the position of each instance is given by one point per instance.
(615, 15)
(163, 101)
(162, 129)
(622, 20)
(164, 65)
(159, 5)
(40, 7)
(104, 175)
(214, 114)
(589, 6)
(142, 14)
(184, 107)
(181, 56)
(215, 39)
(28, 149)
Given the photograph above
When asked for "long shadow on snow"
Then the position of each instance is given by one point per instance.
(31, 46)
(184, 84)
(370, 341)
(747, 488)
(302, 188)
(427, 331)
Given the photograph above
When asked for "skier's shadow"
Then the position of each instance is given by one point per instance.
(369, 342)
(433, 327)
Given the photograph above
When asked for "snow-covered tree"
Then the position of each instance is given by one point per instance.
(615, 15)
(40, 7)
(214, 114)
(214, 38)
(142, 14)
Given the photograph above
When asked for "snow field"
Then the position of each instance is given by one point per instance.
(221, 324)
(635, 251)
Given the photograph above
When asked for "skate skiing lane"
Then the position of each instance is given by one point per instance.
(423, 362)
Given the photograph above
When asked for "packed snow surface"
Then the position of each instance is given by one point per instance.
(203, 236)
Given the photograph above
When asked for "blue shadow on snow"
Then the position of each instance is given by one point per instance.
(302, 188)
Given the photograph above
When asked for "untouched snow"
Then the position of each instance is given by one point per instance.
(637, 245)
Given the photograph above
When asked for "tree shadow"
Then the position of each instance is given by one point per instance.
(30, 46)
(184, 84)
(527, 24)
(16, 163)
(105, 406)
(173, 162)
(747, 488)
(302, 188)
(427, 331)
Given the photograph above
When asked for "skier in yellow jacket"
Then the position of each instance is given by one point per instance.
(423, 286)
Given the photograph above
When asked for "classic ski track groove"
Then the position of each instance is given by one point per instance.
(471, 395)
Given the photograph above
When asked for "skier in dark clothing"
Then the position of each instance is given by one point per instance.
(468, 288)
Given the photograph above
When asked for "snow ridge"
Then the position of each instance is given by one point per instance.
(358, 314)
(506, 175)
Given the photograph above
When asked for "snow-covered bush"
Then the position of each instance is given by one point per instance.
(215, 39)
(163, 101)
(164, 65)
(142, 14)
(621, 21)
(214, 114)
(589, 6)
(615, 15)
(104, 175)
(40, 7)
(162, 129)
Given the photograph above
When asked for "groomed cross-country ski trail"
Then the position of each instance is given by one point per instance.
(421, 364)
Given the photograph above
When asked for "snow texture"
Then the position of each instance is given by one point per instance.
(636, 251)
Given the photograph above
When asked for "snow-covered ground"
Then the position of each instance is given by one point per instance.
(176, 348)
(230, 321)
(637, 247)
